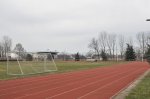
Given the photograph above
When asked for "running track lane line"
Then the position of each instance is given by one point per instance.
(29, 80)
(126, 87)
(96, 89)
(24, 80)
(106, 78)
(57, 87)
(35, 84)
(86, 95)
(55, 83)
(86, 77)
(54, 75)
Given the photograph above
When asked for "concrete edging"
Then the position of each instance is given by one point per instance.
(126, 90)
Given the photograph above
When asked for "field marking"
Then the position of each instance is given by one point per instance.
(69, 80)
(39, 78)
(69, 75)
(58, 76)
(107, 85)
(47, 81)
(63, 86)
(64, 73)
(48, 76)
(58, 87)
(121, 94)
(86, 85)
(55, 83)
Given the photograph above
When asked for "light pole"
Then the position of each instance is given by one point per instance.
(147, 19)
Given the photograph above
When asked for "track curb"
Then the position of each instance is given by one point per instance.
(126, 90)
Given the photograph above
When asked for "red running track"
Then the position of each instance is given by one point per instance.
(99, 83)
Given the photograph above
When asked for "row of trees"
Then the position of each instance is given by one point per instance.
(6, 47)
(105, 46)
(67, 56)
(113, 46)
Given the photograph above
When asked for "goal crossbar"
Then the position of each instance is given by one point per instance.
(42, 63)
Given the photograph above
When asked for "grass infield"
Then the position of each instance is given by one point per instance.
(63, 66)
(142, 90)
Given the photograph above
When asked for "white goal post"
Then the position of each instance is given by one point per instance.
(23, 63)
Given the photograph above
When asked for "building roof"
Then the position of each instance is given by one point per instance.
(46, 52)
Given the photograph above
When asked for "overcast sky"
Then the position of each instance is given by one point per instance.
(69, 25)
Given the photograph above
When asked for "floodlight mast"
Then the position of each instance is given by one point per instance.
(147, 19)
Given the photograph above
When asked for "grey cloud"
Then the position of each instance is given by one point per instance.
(64, 23)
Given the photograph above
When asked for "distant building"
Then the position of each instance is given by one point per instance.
(41, 53)
(15, 56)
(11, 56)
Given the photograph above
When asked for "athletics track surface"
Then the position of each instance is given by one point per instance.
(99, 83)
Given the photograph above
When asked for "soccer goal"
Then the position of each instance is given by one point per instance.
(19, 63)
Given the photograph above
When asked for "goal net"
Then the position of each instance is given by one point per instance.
(19, 63)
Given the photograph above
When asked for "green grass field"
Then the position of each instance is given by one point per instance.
(142, 90)
(63, 66)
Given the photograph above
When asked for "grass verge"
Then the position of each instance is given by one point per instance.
(142, 90)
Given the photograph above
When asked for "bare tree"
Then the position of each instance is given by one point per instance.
(89, 54)
(7, 43)
(64, 56)
(1, 50)
(113, 37)
(19, 47)
(111, 42)
(138, 53)
(95, 46)
(103, 41)
(20, 50)
(130, 41)
(121, 42)
(147, 39)
(142, 40)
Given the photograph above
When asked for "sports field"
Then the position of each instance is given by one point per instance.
(98, 83)
(63, 66)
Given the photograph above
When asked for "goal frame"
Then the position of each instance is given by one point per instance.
(36, 72)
